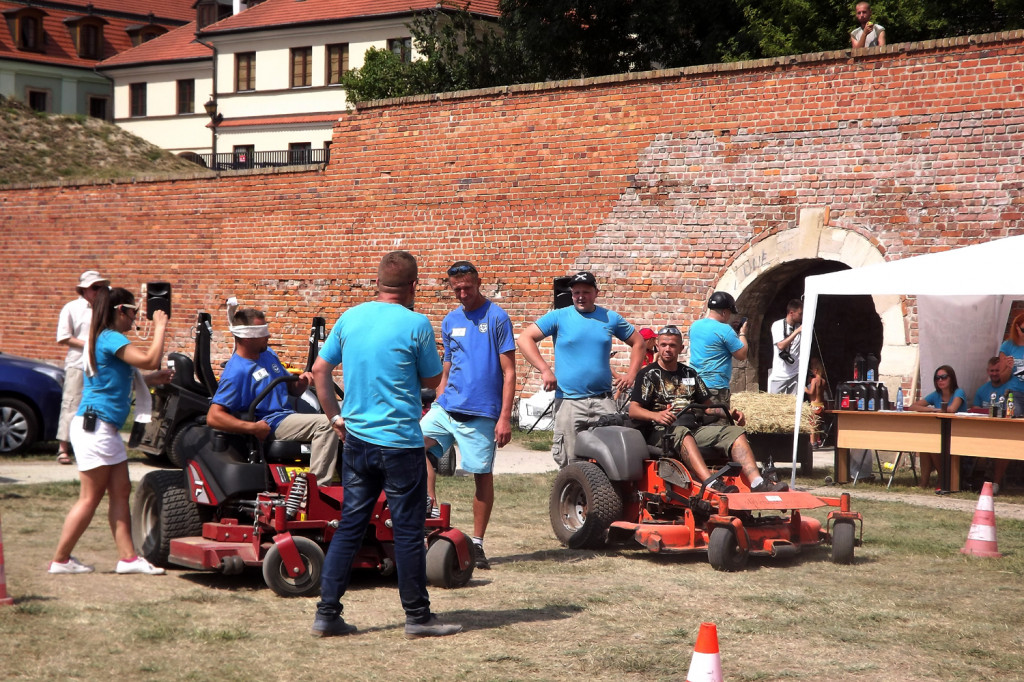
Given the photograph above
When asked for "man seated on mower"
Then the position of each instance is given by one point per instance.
(251, 368)
(662, 394)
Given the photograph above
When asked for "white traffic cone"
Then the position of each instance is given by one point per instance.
(981, 539)
(706, 664)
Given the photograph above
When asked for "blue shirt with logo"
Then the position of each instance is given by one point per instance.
(583, 346)
(473, 343)
(383, 349)
(243, 379)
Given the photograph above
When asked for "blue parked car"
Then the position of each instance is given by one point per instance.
(30, 394)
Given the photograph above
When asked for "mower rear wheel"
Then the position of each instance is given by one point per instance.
(276, 575)
(724, 552)
(583, 504)
(843, 539)
(443, 564)
(174, 453)
(446, 465)
(161, 512)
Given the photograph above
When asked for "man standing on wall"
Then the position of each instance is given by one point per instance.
(867, 34)
(786, 335)
(582, 378)
(477, 385)
(387, 354)
(73, 332)
(714, 344)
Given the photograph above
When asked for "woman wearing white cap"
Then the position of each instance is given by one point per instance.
(99, 450)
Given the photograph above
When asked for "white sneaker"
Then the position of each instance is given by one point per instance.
(139, 565)
(72, 565)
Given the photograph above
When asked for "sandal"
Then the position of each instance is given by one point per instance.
(64, 458)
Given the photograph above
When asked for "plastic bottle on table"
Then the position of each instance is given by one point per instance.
(899, 399)
(992, 404)
(1009, 405)
(1001, 410)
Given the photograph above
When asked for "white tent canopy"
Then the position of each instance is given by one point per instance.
(963, 296)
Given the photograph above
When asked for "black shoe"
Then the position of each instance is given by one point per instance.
(480, 557)
(326, 626)
(719, 487)
(432, 628)
(766, 486)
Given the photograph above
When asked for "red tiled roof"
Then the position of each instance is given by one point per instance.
(59, 46)
(176, 10)
(177, 45)
(280, 120)
(275, 13)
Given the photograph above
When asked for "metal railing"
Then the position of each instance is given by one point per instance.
(256, 160)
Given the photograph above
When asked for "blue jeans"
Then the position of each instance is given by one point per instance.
(401, 473)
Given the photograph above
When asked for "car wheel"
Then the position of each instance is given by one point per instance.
(724, 553)
(275, 573)
(583, 504)
(18, 426)
(161, 512)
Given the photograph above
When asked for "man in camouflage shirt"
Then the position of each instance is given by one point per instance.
(661, 395)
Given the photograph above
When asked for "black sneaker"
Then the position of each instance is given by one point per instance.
(326, 626)
(720, 487)
(432, 628)
(481, 558)
(766, 486)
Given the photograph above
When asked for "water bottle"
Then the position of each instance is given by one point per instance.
(899, 399)
(992, 404)
(1009, 405)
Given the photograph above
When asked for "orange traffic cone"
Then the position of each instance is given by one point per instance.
(4, 599)
(706, 665)
(981, 540)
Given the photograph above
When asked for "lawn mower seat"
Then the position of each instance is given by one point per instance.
(204, 366)
(222, 459)
(619, 450)
(185, 374)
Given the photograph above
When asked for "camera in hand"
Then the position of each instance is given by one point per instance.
(786, 356)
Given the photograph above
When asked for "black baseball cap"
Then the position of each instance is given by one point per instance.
(583, 278)
(722, 301)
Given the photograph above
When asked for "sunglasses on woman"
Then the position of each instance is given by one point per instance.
(941, 377)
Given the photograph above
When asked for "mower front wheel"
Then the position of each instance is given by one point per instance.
(724, 552)
(276, 575)
(443, 564)
(843, 539)
(583, 504)
(161, 512)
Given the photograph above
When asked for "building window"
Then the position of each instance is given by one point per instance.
(137, 99)
(302, 67)
(143, 34)
(90, 41)
(30, 33)
(98, 107)
(38, 100)
(245, 71)
(337, 62)
(299, 153)
(187, 96)
(401, 47)
(243, 155)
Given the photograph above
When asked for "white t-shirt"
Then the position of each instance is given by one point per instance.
(75, 318)
(780, 368)
(872, 37)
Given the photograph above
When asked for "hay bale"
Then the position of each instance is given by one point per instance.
(770, 412)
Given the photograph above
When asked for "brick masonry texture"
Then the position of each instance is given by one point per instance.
(657, 182)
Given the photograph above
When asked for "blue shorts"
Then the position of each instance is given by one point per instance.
(474, 436)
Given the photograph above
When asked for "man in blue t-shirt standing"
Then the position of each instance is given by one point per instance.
(582, 378)
(478, 382)
(714, 344)
(387, 354)
(251, 369)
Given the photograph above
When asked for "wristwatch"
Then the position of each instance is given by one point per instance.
(334, 419)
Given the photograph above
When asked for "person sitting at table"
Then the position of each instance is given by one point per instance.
(947, 397)
(1012, 349)
(1001, 382)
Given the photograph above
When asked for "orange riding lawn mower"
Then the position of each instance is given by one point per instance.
(242, 503)
(618, 490)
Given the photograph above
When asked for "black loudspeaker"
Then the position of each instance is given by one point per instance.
(563, 292)
(158, 297)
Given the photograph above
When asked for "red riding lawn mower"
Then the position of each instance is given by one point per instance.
(619, 489)
(244, 503)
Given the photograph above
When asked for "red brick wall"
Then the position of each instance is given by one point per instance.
(655, 182)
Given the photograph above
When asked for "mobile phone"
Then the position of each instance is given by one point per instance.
(89, 421)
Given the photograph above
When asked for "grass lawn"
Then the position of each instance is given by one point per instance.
(911, 607)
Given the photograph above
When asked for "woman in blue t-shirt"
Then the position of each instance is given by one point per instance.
(99, 450)
(947, 397)
(1013, 347)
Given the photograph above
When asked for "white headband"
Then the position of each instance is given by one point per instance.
(251, 331)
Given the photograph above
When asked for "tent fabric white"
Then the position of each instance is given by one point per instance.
(972, 286)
